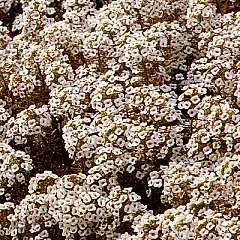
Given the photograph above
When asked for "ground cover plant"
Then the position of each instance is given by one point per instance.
(119, 119)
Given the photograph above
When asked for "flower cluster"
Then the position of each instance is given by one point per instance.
(205, 200)
(14, 173)
(119, 119)
(74, 207)
(29, 122)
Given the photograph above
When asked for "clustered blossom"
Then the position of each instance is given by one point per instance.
(14, 172)
(119, 119)
(75, 206)
(205, 200)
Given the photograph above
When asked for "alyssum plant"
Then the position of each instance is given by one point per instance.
(119, 119)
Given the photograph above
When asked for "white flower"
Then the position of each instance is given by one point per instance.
(45, 122)
(20, 177)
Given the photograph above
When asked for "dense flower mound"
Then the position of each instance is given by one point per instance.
(119, 119)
